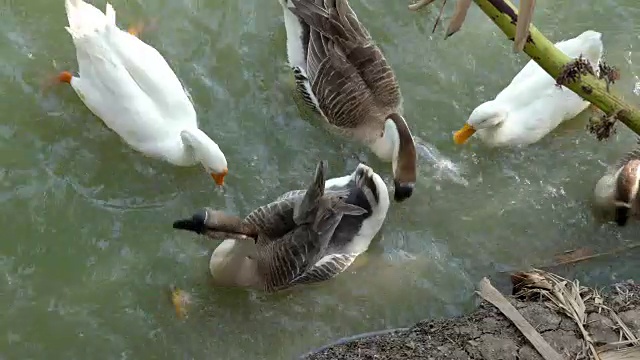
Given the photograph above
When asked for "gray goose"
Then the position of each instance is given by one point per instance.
(616, 193)
(303, 237)
(342, 75)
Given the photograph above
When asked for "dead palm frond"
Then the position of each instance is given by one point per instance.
(631, 353)
(524, 17)
(565, 296)
(570, 298)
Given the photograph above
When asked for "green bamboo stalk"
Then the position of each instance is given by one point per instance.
(504, 14)
(554, 62)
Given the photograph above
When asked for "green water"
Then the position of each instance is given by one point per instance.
(88, 250)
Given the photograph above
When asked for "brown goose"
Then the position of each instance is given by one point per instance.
(304, 236)
(344, 77)
(617, 191)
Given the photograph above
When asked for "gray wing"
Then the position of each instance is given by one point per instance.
(279, 217)
(282, 261)
(275, 219)
(306, 209)
(325, 266)
(349, 74)
(330, 212)
(325, 269)
(292, 194)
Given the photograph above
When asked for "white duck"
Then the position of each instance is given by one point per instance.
(130, 86)
(532, 105)
(616, 193)
(272, 249)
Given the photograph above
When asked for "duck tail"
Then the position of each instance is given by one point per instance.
(588, 44)
(592, 46)
(86, 20)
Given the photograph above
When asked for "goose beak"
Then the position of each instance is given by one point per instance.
(461, 136)
(197, 223)
(402, 191)
(219, 177)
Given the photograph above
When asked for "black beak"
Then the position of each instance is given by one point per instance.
(622, 215)
(195, 224)
(402, 191)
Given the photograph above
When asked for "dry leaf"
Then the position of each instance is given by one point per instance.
(525, 15)
(460, 13)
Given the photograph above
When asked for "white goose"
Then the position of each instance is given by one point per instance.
(532, 105)
(275, 248)
(130, 86)
(343, 75)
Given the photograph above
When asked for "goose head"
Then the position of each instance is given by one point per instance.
(207, 152)
(403, 156)
(372, 185)
(486, 116)
(626, 191)
(215, 224)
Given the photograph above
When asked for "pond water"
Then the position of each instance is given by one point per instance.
(88, 250)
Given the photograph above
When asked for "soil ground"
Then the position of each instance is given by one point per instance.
(487, 334)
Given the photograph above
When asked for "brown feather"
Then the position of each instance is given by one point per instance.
(351, 68)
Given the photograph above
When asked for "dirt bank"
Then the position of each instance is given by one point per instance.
(488, 334)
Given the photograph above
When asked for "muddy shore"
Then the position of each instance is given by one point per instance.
(487, 334)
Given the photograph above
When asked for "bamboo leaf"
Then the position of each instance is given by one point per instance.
(460, 13)
(525, 15)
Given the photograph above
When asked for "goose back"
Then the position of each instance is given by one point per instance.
(316, 217)
(349, 77)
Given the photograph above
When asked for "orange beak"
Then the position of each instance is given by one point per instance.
(461, 136)
(219, 177)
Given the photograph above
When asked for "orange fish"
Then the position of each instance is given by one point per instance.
(180, 300)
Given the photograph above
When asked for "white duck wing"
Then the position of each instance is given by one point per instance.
(118, 67)
(153, 75)
(532, 119)
(104, 85)
(588, 44)
(89, 27)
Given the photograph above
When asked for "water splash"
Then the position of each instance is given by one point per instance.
(636, 86)
(444, 167)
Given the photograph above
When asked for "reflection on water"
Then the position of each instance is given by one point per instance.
(89, 250)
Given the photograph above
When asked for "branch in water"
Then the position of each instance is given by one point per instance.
(439, 16)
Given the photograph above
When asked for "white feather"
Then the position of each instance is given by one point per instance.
(131, 87)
